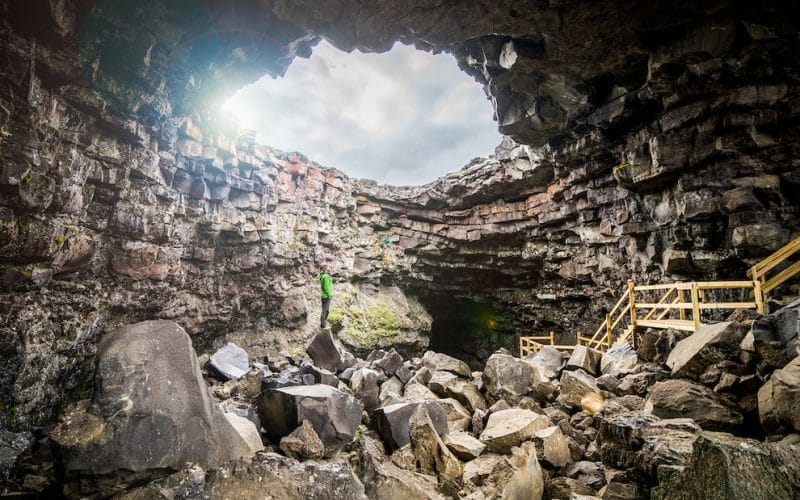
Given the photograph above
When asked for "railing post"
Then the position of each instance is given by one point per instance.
(632, 303)
(521, 352)
(552, 338)
(758, 293)
(695, 307)
(608, 330)
(681, 300)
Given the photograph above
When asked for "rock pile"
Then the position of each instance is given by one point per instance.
(555, 425)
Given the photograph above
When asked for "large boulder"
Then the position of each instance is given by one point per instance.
(684, 398)
(392, 422)
(333, 414)
(303, 442)
(150, 411)
(585, 359)
(438, 361)
(710, 344)
(447, 385)
(231, 361)
(575, 385)
(621, 358)
(527, 481)
(510, 378)
(508, 428)
(724, 466)
(633, 438)
(779, 399)
(364, 384)
(550, 360)
(431, 453)
(324, 352)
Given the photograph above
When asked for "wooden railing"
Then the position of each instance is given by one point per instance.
(770, 273)
(667, 305)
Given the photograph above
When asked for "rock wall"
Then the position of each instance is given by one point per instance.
(644, 143)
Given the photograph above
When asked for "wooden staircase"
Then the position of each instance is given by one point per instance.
(680, 306)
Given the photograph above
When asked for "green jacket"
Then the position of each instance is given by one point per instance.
(326, 283)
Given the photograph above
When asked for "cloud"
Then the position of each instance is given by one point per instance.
(402, 117)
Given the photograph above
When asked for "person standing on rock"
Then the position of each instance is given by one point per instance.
(326, 292)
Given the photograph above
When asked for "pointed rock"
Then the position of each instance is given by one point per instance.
(323, 351)
(710, 344)
(585, 359)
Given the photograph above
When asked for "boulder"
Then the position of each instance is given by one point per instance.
(333, 414)
(418, 392)
(431, 453)
(320, 375)
(656, 344)
(684, 398)
(574, 386)
(447, 385)
(438, 361)
(389, 363)
(585, 359)
(565, 487)
(458, 418)
(388, 481)
(638, 439)
(552, 446)
(527, 481)
(710, 344)
(275, 476)
(303, 442)
(247, 430)
(508, 428)
(392, 387)
(550, 360)
(392, 422)
(231, 361)
(511, 378)
(767, 341)
(588, 473)
(324, 352)
(364, 384)
(463, 445)
(779, 399)
(150, 411)
(621, 358)
(725, 466)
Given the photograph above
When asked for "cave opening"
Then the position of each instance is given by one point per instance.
(469, 328)
(401, 117)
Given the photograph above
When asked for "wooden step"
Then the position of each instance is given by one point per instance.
(676, 324)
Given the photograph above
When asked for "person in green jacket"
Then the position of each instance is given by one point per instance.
(326, 285)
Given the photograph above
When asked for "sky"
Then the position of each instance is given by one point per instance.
(404, 117)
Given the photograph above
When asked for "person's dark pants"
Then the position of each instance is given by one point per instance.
(323, 317)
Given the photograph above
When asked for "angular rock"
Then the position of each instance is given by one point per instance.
(463, 445)
(779, 399)
(684, 398)
(527, 481)
(389, 363)
(275, 476)
(550, 360)
(247, 430)
(231, 361)
(710, 344)
(565, 487)
(303, 442)
(508, 428)
(447, 385)
(585, 359)
(392, 422)
(552, 447)
(150, 410)
(458, 418)
(621, 358)
(333, 414)
(437, 361)
(588, 473)
(724, 466)
(511, 378)
(574, 386)
(12, 446)
(324, 352)
(364, 384)
(393, 386)
(431, 453)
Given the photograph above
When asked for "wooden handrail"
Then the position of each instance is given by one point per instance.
(698, 301)
(774, 259)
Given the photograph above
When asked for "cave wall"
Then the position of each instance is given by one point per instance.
(648, 143)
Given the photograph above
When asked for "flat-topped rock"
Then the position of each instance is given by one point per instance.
(508, 428)
(438, 361)
(231, 361)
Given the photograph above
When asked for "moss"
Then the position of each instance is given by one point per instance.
(59, 240)
(335, 316)
(371, 325)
